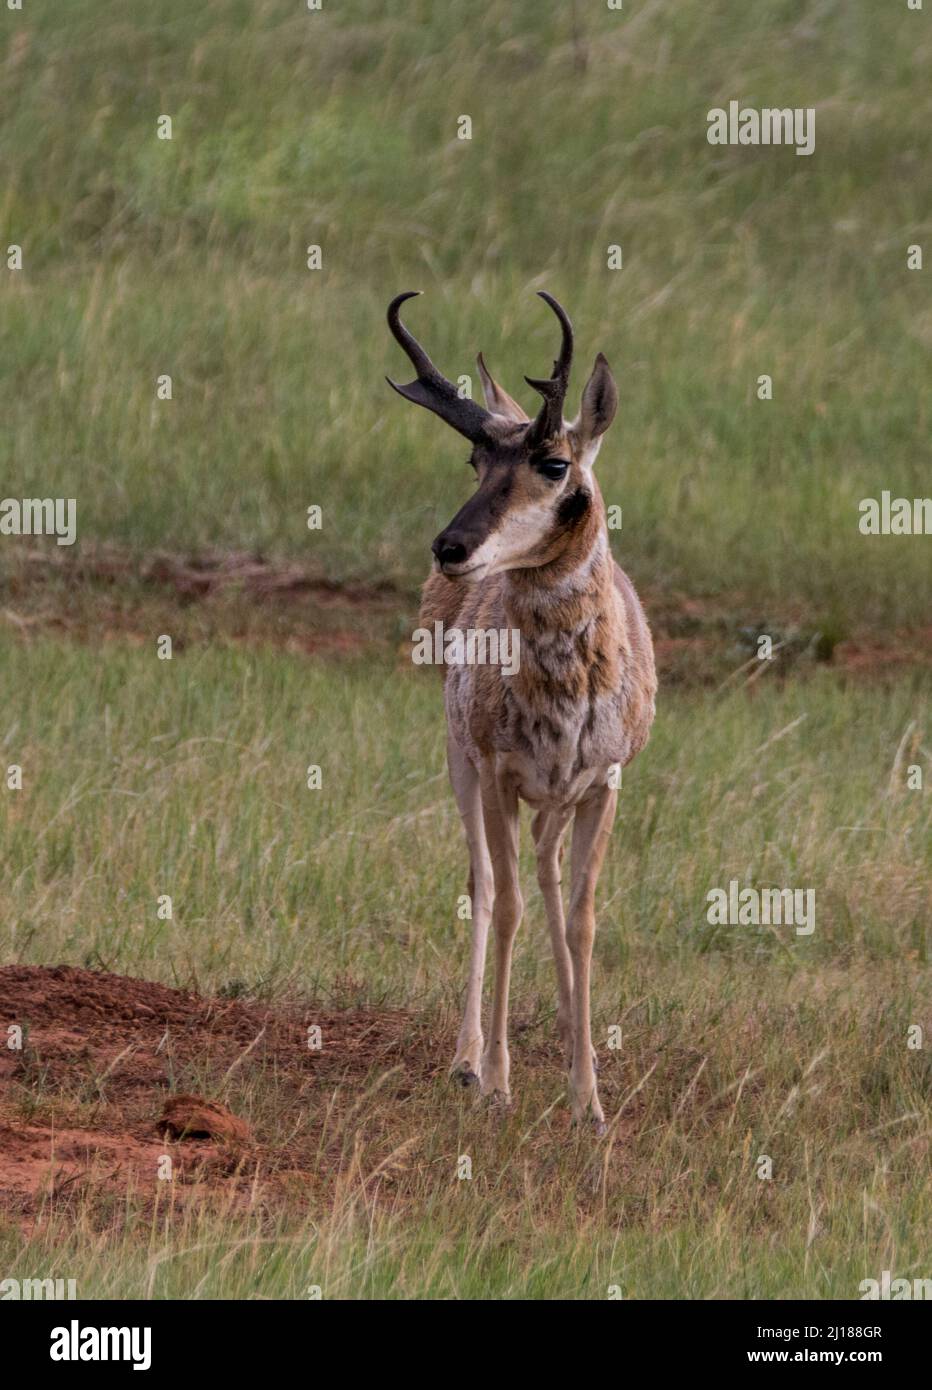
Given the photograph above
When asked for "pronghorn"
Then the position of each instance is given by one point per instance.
(529, 551)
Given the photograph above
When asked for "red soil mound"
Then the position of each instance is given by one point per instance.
(84, 1087)
(193, 1117)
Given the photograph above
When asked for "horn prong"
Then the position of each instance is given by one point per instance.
(549, 420)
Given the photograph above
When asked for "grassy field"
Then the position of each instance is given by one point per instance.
(338, 128)
(188, 777)
(143, 777)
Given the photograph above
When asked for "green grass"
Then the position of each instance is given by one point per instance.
(187, 257)
(464, 1252)
(145, 777)
(188, 778)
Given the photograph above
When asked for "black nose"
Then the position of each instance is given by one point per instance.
(448, 550)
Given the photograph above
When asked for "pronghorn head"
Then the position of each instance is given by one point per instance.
(535, 487)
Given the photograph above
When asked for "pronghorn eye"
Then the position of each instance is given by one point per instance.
(554, 469)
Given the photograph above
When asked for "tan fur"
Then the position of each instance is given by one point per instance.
(581, 701)
(528, 553)
(614, 654)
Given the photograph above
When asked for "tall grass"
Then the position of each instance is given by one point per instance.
(189, 778)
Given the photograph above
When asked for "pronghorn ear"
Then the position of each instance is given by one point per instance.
(497, 400)
(599, 403)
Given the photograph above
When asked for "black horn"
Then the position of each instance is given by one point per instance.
(549, 421)
(430, 388)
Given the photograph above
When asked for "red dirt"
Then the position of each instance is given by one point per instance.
(251, 600)
(193, 1117)
(898, 648)
(194, 576)
(106, 1060)
(81, 1101)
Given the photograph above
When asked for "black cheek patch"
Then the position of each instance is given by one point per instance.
(573, 507)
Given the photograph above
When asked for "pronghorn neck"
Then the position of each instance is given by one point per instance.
(570, 592)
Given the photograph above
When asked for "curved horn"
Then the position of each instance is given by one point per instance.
(430, 388)
(549, 421)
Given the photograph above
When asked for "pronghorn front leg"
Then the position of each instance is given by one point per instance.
(500, 816)
(548, 828)
(591, 830)
(466, 1064)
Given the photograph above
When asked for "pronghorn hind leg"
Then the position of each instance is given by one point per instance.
(591, 830)
(467, 1061)
(548, 828)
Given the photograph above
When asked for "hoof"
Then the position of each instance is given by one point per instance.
(463, 1074)
(596, 1127)
(497, 1100)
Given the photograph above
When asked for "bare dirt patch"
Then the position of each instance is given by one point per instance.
(102, 592)
(197, 576)
(85, 1100)
(115, 1075)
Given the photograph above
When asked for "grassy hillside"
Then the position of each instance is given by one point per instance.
(338, 128)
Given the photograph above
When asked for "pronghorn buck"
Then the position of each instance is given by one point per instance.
(529, 551)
